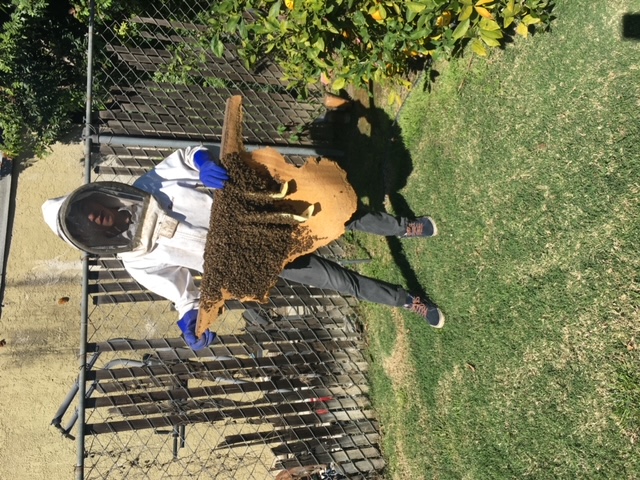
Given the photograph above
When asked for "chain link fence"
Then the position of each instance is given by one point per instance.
(282, 393)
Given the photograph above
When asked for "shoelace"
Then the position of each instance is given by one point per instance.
(418, 307)
(414, 229)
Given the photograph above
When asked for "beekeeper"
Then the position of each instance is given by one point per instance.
(158, 227)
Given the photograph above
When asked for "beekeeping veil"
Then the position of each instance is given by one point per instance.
(74, 226)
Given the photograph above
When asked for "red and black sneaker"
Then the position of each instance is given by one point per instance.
(432, 314)
(420, 227)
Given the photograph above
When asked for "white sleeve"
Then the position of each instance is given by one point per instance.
(178, 167)
(181, 160)
(188, 154)
(172, 282)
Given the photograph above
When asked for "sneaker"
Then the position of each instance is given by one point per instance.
(432, 314)
(420, 227)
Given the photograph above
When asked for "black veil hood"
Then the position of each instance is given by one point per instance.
(85, 235)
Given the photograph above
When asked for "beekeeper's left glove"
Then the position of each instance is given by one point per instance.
(212, 175)
(188, 326)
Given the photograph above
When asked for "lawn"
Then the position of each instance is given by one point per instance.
(530, 163)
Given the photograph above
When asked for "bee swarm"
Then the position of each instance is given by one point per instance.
(249, 239)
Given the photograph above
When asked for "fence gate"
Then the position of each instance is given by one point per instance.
(282, 393)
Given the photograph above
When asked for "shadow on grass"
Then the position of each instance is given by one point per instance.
(378, 166)
(631, 26)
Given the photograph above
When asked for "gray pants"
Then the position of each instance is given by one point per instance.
(322, 273)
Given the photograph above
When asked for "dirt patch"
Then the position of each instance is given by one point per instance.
(39, 362)
(400, 371)
(398, 365)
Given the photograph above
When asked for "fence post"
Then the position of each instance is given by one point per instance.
(84, 323)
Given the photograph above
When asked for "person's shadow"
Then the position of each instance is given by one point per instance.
(378, 166)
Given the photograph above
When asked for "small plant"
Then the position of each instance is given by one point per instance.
(186, 68)
(356, 41)
(295, 133)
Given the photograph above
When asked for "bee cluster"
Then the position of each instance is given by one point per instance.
(249, 238)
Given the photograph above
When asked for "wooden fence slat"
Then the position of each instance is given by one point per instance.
(185, 393)
(304, 433)
(155, 422)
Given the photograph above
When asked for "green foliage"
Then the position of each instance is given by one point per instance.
(356, 41)
(106, 9)
(42, 75)
(186, 68)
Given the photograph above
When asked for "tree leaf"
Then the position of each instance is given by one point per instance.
(465, 13)
(461, 30)
(242, 30)
(508, 20)
(421, 23)
(217, 47)
(332, 28)
(483, 12)
(522, 29)
(338, 84)
(275, 9)
(530, 20)
(420, 34)
(483, 2)
(391, 98)
(478, 48)
(487, 24)
(234, 23)
(492, 42)
(495, 34)
(415, 7)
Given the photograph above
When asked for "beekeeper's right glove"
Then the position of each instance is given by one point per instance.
(212, 175)
(188, 326)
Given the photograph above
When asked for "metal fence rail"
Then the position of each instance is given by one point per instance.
(283, 391)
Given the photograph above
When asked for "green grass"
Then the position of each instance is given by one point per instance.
(530, 163)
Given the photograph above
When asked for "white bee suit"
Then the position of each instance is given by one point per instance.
(172, 247)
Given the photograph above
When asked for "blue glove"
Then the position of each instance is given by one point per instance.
(212, 175)
(188, 326)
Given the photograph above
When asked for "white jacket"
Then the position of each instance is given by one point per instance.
(166, 266)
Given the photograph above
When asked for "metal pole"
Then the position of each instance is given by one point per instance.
(57, 419)
(177, 143)
(84, 321)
